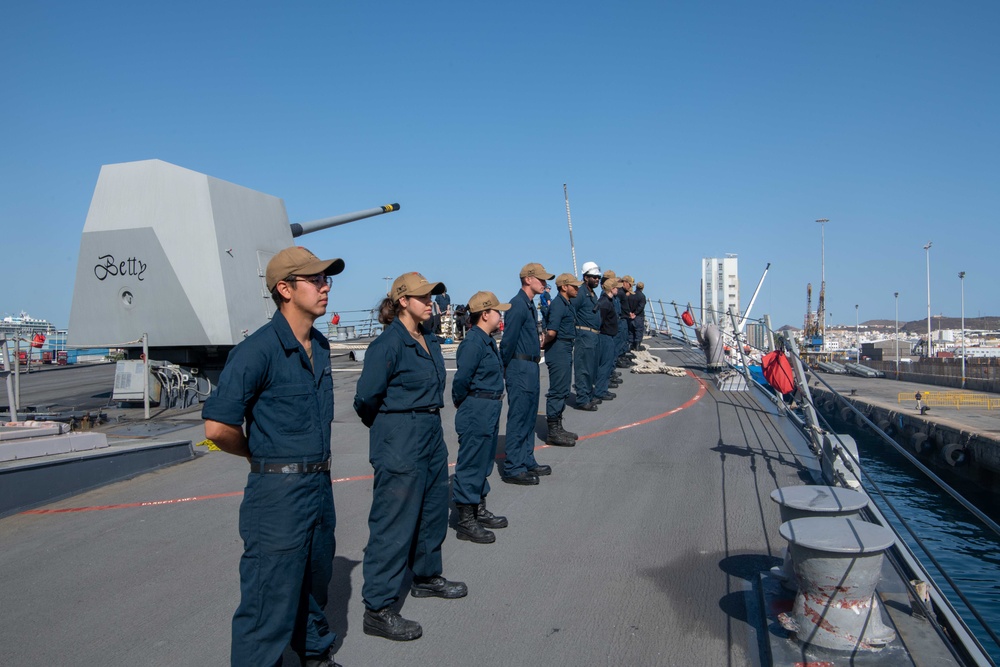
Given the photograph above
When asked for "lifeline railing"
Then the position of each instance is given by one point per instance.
(814, 426)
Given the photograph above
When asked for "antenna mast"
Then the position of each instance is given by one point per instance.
(569, 221)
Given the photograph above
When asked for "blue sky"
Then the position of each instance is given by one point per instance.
(683, 130)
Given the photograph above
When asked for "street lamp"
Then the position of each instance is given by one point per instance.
(386, 279)
(961, 276)
(822, 258)
(896, 295)
(857, 332)
(930, 345)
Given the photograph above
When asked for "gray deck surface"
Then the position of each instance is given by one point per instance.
(640, 549)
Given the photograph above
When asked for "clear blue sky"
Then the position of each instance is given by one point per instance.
(683, 130)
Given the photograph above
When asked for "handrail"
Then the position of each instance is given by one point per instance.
(985, 520)
(814, 431)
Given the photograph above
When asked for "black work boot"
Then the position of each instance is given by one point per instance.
(438, 587)
(488, 518)
(469, 529)
(558, 437)
(563, 429)
(387, 623)
(320, 661)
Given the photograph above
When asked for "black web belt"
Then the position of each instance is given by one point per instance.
(527, 357)
(588, 329)
(290, 468)
(491, 395)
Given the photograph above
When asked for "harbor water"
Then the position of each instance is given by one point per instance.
(966, 549)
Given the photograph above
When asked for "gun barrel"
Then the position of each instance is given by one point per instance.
(300, 228)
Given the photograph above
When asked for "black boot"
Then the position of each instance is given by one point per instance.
(557, 436)
(388, 623)
(488, 518)
(569, 433)
(468, 528)
(438, 587)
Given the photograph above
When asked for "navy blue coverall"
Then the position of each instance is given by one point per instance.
(637, 326)
(622, 309)
(399, 396)
(520, 352)
(477, 390)
(287, 520)
(559, 355)
(606, 344)
(588, 323)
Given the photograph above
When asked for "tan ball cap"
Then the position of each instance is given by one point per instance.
(481, 301)
(297, 261)
(413, 284)
(640, 285)
(609, 284)
(608, 274)
(628, 279)
(536, 270)
(567, 279)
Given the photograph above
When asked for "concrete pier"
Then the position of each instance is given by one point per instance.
(966, 438)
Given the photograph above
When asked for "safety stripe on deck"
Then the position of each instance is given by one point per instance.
(175, 501)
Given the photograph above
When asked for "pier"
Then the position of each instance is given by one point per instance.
(964, 435)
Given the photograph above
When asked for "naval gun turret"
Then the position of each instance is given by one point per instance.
(179, 256)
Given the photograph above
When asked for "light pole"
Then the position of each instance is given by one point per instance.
(930, 345)
(961, 276)
(857, 333)
(896, 295)
(386, 279)
(822, 258)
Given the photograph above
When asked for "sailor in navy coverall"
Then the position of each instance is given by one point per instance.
(399, 397)
(520, 349)
(560, 333)
(278, 381)
(622, 307)
(585, 358)
(477, 391)
(606, 339)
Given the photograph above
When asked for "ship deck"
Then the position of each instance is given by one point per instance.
(644, 547)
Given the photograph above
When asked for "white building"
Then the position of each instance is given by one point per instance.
(720, 289)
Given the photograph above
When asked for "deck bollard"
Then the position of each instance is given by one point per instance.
(799, 502)
(838, 562)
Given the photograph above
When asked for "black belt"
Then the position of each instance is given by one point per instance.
(423, 411)
(588, 329)
(290, 468)
(491, 395)
(527, 357)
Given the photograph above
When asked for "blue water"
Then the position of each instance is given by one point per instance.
(966, 549)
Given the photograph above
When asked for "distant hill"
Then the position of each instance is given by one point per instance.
(920, 326)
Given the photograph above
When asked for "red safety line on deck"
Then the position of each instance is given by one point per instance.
(151, 503)
(694, 399)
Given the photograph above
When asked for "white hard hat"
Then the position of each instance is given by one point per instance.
(591, 269)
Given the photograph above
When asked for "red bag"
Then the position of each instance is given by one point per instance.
(778, 372)
(688, 319)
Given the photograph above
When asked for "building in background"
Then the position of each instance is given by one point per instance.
(757, 336)
(720, 290)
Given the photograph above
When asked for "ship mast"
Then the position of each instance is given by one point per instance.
(569, 221)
